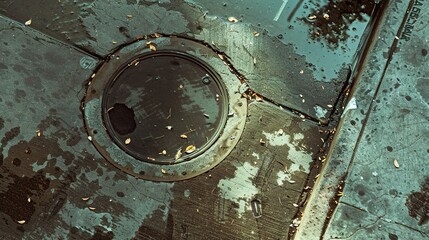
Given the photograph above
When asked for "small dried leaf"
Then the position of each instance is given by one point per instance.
(163, 171)
(258, 98)
(233, 19)
(183, 136)
(151, 158)
(127, 141)
(256, 34)
(28, 22)
(169, 127)
(89, 138)
(190, 149)
(261, 141)
(91, 208)
(163, 152)
(157, 35)
(178, 154)
(291, 181)
(85, 198)
(295, 205)
(38, 133)
(152, 47)
(21, 221)
(28, 199)
(129, 16)
(396, 163)
(312, 17)
(326, 16)
(114, 42)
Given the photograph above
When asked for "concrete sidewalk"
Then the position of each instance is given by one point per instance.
(375, 181)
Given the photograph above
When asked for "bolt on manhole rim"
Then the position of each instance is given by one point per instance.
(164, 109)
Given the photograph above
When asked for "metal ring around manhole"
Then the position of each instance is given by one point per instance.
(164, 115)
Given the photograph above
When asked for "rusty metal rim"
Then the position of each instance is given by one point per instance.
(216, 153)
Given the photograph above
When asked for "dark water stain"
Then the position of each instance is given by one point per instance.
(122, 119)
(418, 203)
(22, 192)
(332, 21)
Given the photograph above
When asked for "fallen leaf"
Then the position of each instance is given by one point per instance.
(21, 221)
(28, 22)
(38, 133)
(190, 149)
(396, 163)
(233, 19)
(127, 141)
(178, 154)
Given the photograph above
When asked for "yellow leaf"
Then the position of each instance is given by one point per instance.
(28, 22)
(190, 149)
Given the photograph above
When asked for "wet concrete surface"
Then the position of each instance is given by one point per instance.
(55, 184)
(381, 151)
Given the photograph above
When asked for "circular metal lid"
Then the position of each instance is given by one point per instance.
(164, 109)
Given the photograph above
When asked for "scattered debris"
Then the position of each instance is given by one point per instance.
(295, 222)
(91, 208)
(262, 141)
(206, 115)
(233, 19)
(375, 174)
(151, 46)
(21, 221)
(85, 198)
(178, 154)
(28, 199)
(258, 98)
(151, 158)
(184, 136)
(256, 34)
(129, 16)
(39, 133)
(190, 149)
(301, 72)
(280, 132)
(127, 141)
(163, 171)
(164, 152)
(291, 181)
(396, 163)
(230, 114)
(326, 16)
(312, 17)
(28, 22)
(295, 205)
(169, 127)
(89, 138)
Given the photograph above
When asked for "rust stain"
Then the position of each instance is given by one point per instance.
(418, 203)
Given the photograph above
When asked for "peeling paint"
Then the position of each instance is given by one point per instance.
(300, 157)
(240, 189)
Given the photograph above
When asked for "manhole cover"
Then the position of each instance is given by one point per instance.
(165, 109)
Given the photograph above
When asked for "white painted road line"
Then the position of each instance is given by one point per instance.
(280, 10)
